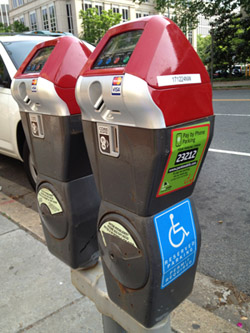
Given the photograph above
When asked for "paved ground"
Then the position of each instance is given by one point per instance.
(222, 193)
(36, 292)
(37, 296)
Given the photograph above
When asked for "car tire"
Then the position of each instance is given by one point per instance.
(29, 165)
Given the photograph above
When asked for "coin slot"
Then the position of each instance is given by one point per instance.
(115, 139)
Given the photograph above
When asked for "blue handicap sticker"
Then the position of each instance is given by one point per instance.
(177, 240)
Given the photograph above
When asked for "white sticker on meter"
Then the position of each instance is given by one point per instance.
(116, 229)
(173, 80)
(45, 196)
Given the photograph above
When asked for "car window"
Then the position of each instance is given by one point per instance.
(5, 79)
(18, 50)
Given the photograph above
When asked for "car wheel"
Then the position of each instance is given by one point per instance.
(29, 165)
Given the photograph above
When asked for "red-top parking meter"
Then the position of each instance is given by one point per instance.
(146, 103)
(68, 201)
(146, 77)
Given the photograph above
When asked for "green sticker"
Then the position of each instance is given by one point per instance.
(187, 148)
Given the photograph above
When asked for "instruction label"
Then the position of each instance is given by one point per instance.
(116, 229)
(45, 196)
(186, 152)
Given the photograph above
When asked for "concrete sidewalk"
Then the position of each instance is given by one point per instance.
(36, 291)
(37, 294)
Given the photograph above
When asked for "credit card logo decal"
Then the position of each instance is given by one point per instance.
(34, 85)
(116, 86)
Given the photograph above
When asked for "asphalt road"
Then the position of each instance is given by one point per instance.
(222, 193)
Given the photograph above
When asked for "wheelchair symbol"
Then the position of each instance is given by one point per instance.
(173, 231)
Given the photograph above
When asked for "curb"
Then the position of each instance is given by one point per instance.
(187, 317)
(26, 218)
(231, 87)
(227, 85)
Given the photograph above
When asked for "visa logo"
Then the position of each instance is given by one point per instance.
(116, 90)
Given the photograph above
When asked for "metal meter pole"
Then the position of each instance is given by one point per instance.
(111, 326)
(91, 283)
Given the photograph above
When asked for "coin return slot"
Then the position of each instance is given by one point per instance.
(115, 140)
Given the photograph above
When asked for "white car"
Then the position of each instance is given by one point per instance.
(13, 51)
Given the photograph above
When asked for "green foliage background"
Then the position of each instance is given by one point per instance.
(14, 27)
(95, 25)
(230, 29)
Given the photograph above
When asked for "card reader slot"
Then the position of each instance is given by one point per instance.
(26, 100)
(99, 103)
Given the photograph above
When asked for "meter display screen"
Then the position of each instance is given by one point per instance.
(118, 50)
(38, 61)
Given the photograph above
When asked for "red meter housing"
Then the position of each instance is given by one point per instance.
(44, 88)
(146, 103)
(58, 61)
(161, 56)
(143, 80)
